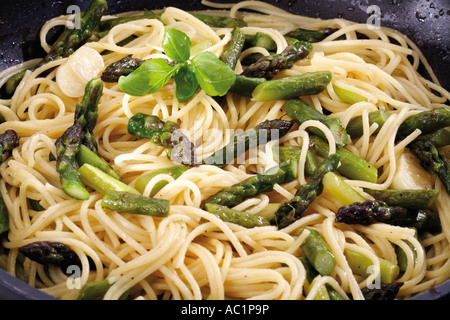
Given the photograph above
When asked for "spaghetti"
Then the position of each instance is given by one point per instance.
(192, 254)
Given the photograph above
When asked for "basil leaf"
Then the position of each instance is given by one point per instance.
(176, 45)
(151, 76)
(213, 76)
(186, 83)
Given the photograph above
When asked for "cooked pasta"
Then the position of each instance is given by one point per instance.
(192, 254)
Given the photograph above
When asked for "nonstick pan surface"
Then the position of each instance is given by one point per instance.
(426, 22)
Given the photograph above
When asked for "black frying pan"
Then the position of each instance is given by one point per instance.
(426, 22)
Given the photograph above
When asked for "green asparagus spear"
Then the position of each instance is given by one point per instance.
(426, 121)
(261, 134)
(86, 155)
(285, 153)
(439, 138)
(355, 125)
(220, 22)
(269, 66)
(142, 181)
(166, 134)
(4, 217)
(301, 111)
(12, 83)
(340, 190)
(318, 252)
(101, 181)
(246, 85)
(311, 35)
(311, 272)
(51, 252)
(86, 112)
(255, 185)
(309, 83)
(96, 290)
(351, 166)
(306, 194)
(69, 144)
(348, 96)
(361, 265)
(241, 218)
(371, 211)
(260, 39)
(432, 160)
(69, 41)
(386, 291)
(407, 198)
(233, 49)
(8, 141)
(123, 67)
(134, 203)
(89, 20)
(328, 291)
(67, 147)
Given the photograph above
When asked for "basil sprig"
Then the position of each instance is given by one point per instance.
(203, 71)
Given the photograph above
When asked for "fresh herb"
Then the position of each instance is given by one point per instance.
(204, 71)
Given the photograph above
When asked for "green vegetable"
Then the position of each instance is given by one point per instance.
(67, 147)
(310, 83)
(86, 155)
(101, 181)
(351, 166)
(426, 121)
(241, 218)
(8, 141)
(86, 112)
(355, 125)
(260, 39)
(261, 134)
(80, 133)
(439, 138)
(348, 96)
(246, 85)
(360, 264)
(371, 211)
(151, 76)
(120, 68)
(432, 160)
(407, 198)
(306, 194)
(340, 190)
(108, 24)
(166, 134)
(386, 291)
(285, 153)
(211, 74)
(318, 252)
(142, 181)
(269, 66)
(233, 49)
(301, 111)
(255, 185)
(311, 35)
(126, 202)
(51, 252)
(96, 290)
